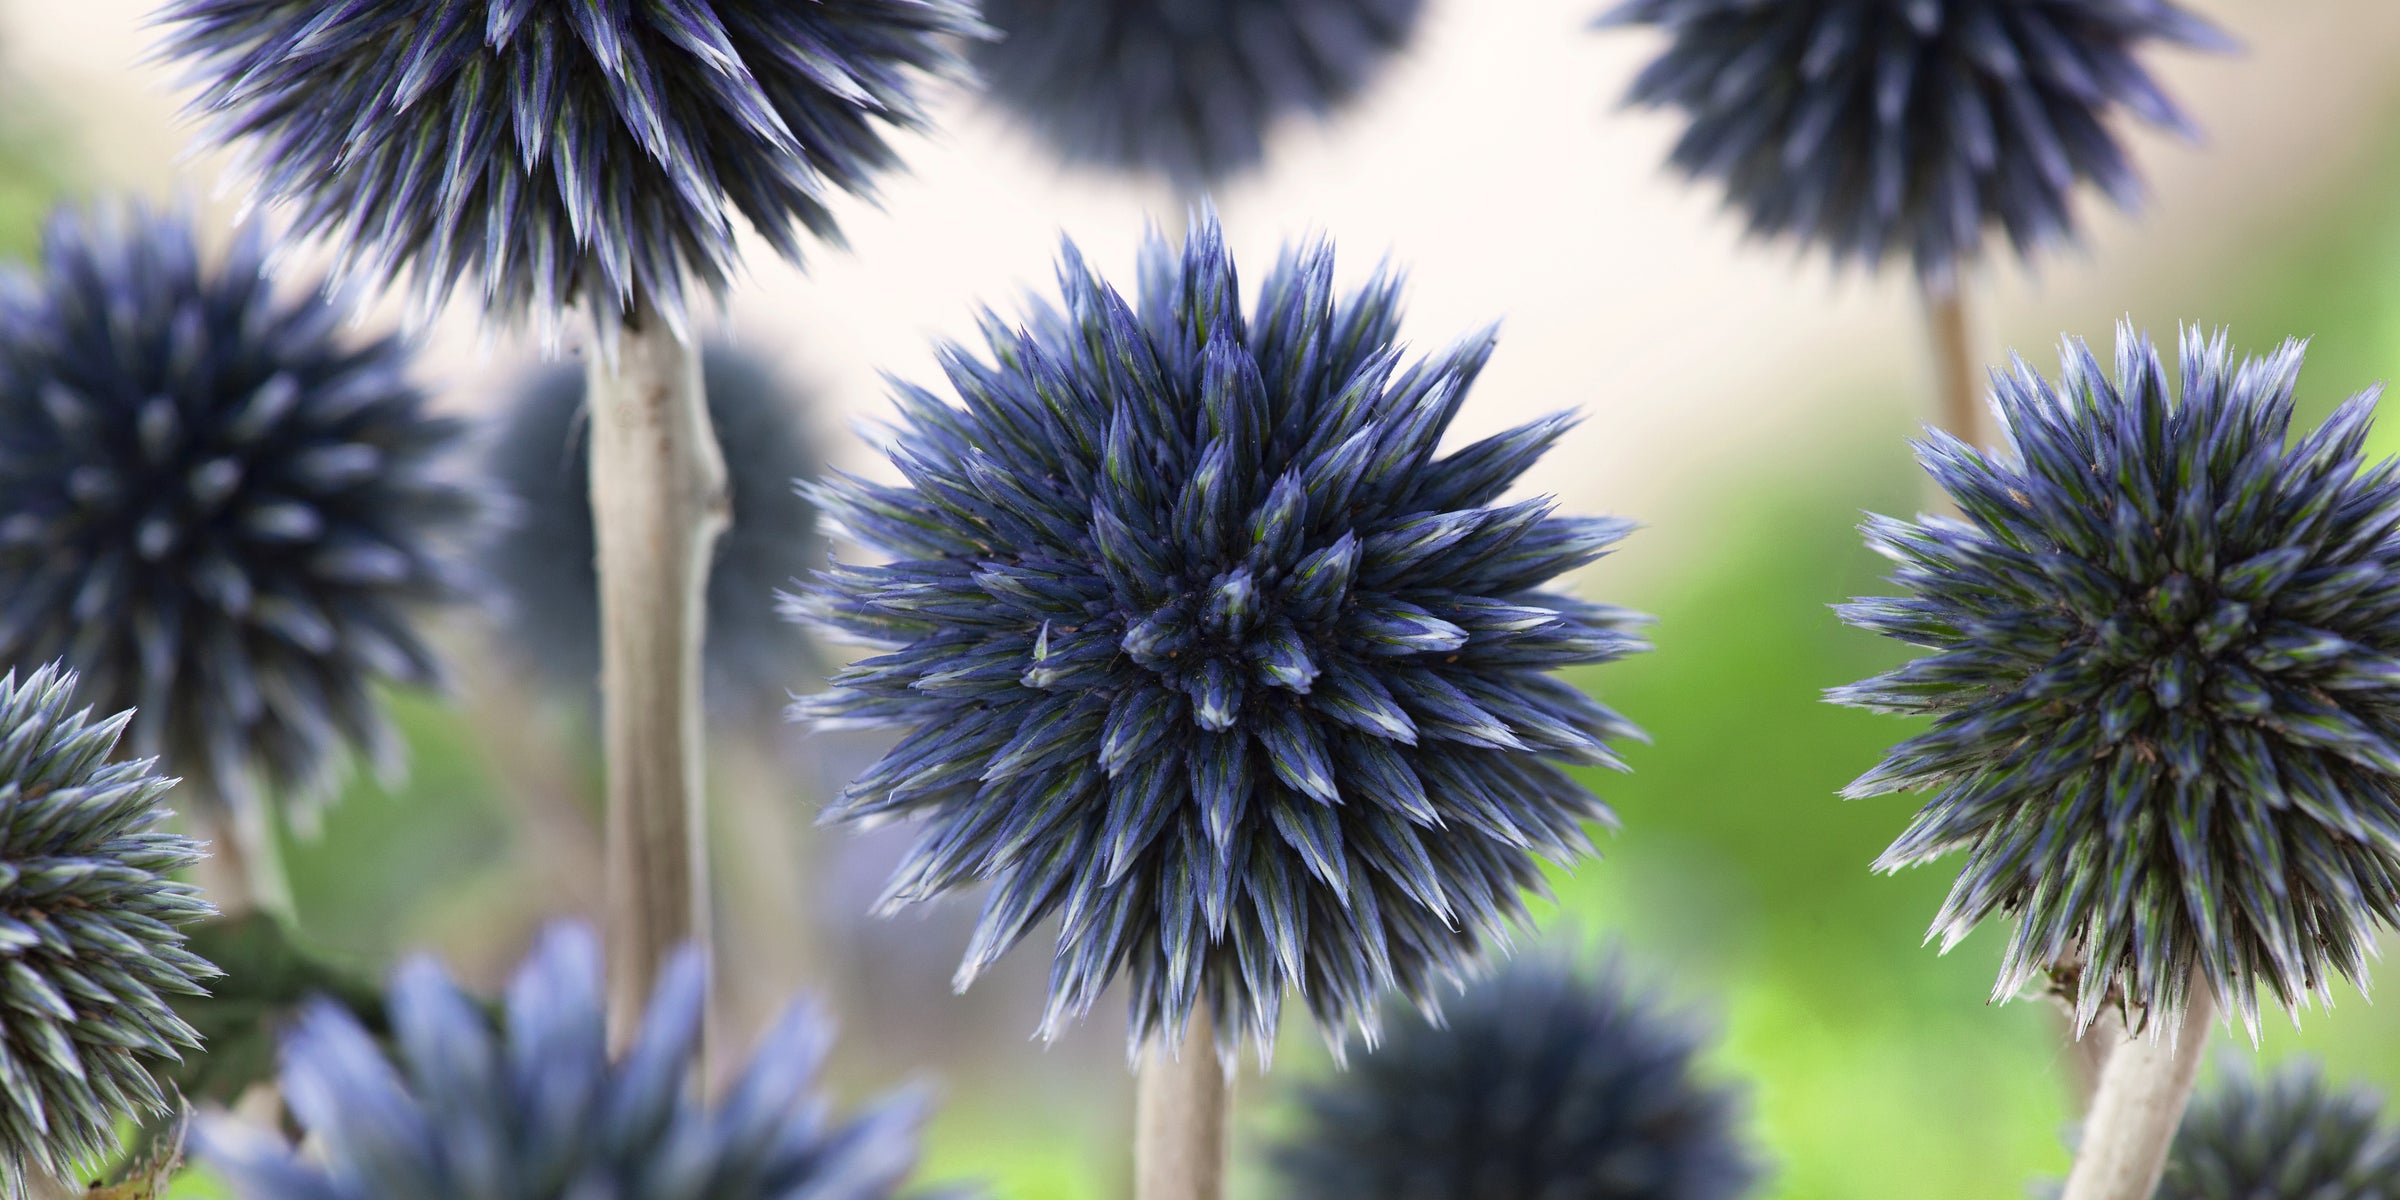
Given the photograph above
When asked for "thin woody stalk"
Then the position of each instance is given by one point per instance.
(1181, 1134)
(1958, 382)
(2143, 1091)
(658, 504)
(243, 872)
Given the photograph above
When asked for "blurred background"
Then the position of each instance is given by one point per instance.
(1744, 403)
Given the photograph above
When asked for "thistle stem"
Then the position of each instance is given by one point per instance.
(658, 504)
(2142, 1094)
(1180, 1132)
(243, 872)
(1958, 393)
(40, 1184)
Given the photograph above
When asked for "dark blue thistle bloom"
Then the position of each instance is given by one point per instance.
(1204, 650)
(219, 508)
(1186, 88)
(1874, 127)
(2291, 1135)
(537, 1108)
(1538, 1083)
(89, 937)
(2165, 687)
(544, 559)
(557, 154)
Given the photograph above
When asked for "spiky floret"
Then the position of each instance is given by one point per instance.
(2288, 1135)
(1185, 88)
(1203, 648)
(537, 1108)
(2166, 683)
(219, 508)
(1880, 127)
(544, 558)
(89, 932)
(557, 154)
(1540, 1082)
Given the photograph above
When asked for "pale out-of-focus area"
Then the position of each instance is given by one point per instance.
(1742, 400)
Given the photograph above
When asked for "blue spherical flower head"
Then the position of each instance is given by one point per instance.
(1185, 88)
(2291, 1134)
(1882, 127)
(544, 558)
(557, 154)
(1540, 1082)
(2165, 680)
(1205, 649)
(220, 509)
(89, 937)
(537, 1108)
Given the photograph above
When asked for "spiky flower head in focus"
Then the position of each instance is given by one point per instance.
(537, 1108)
(1203, 648)
(560, 154)
(1539, 1082)
(90, 938)
(2165, 680)
(544, 558)
(1188, 89)
(2290, 1135)
(1875, 128)
(220, 509)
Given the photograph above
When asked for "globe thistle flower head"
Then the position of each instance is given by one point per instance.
(1184, 88)
(1202, 647)
(1540, 1082)
(89, 932)
(220, 509)
(543, 560)
(2165, 645)
(1876, 128)
(2291, 1134)
(554, 155)
(536, 1108)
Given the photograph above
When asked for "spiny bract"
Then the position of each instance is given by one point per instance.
(537, 1108)
(1204, 649)
(1539, 1083)
(1186, 88)
(88, 932)
(559, 154)
(2166, 687)
(2287, 1136)
(544, 558)
(1879, 126)
(219, 508)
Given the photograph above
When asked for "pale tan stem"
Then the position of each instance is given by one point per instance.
(40, 1184)
(2140, 1102)
(658, 504)
(1957, 376)
(2087, 1054)
(1181, 1133)
(243, 871)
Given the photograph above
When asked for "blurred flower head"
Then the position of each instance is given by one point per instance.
(219, 508)
(537, 1108)
(1204, 650)
(1185, 88)
(2289, 1135)
(1881, 127)
(544, 559)
(2165, 680)
(554, 155)
(1538, 1083)
(89, 932)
